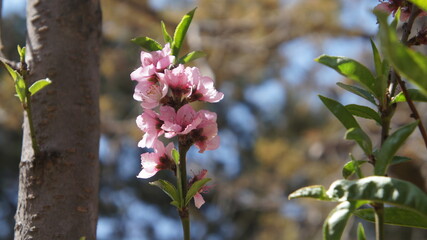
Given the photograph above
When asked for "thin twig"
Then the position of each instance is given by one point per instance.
(14, 65)
(407, 27)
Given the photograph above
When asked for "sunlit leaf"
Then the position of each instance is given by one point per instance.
(390, 147)
(147, 43)
(181, 31)
(12, 72)
(334, 225)
(374, 188)
(377, 58)
(191, 56)
(169, 189)
(415, 95)
(195, 188)
(361, 138)
(352, 167)
(166, 36)
(364, 112)
(395, 216)
(351, 69)
(316, 191)
(340, 112)
(175, 156)
(21, 88)
(420, 3)
(39, 85)
(21, 52)
(360, 232)
(358, 91)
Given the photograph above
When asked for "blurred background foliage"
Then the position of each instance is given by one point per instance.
(275, 134)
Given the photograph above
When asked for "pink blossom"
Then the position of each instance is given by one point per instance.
(203, 87)
(150, 123)
(198, 198)
(153, 62)
(160, 159)
(177, 80)
(150, 93)
(200, 127)
(205, 136)
(181, 122)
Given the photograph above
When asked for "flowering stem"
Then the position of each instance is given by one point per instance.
(182, 182)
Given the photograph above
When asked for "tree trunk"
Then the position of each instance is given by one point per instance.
(58, 188)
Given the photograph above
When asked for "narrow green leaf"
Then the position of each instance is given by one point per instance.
(175, 156)
(181, 31)
(12, 73)
(377, 58)
(409, 63)
(361, 138)
(166, 36)
(169, 189)
(395, 216)
(334, 225)
(39, 85)
(191, 57)
(399, 159)
(147, 43)
(351, 167)
(195, 189)
(316, 191)
(420, 3)
(415, 95)
(21, 52)
(360, 232)
(358, 91)
(364, 112)
(390, 147)
(351, 69)
(340, 112)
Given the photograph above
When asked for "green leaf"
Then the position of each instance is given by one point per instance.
(175, 156)
(181, 31)
(191, 56)
(336, 221)
(377, 58)
(316, 191)
(390, 147)
(195, 187)
(399, 159)
(166, 36)
(358, 91)
(415, 95)
(21, 52)
(340, 112)
(360, 232)
(39, 85)
(351, 69)
(420, 3)
(395, 216)
(364, 112)
(361, 138)
(169, 189)
(351, 167)
(375, 188)
(409, 63)
(147, 43)
(14, 74)
(21, 88)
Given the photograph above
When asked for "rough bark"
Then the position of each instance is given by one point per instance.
(58, 188)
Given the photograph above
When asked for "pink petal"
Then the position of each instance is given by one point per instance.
(198, 200)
